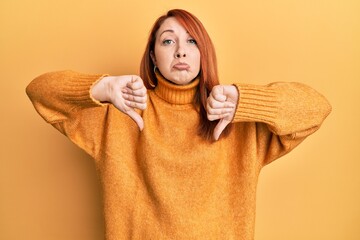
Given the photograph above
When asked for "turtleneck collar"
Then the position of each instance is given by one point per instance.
(176, 94)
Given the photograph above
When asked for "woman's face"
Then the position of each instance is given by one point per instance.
(176, 54)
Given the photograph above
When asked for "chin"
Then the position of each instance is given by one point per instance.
(181, 80)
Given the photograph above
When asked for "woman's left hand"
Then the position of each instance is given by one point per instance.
(221, 104)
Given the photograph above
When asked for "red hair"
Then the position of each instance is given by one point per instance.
(208, 65)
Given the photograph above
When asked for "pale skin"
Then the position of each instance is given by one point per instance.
(178, 59)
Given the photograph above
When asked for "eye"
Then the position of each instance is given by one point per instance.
(192, 41)
(167, 41)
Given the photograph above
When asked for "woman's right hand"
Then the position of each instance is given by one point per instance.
(125, 92)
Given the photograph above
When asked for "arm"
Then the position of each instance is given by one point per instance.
(286, 113)
(72, 103)
(58, 95)
(291, 112)
(287, 108)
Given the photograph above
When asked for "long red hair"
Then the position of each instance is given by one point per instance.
(208, 65)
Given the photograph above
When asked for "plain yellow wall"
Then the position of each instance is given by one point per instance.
(49, 188)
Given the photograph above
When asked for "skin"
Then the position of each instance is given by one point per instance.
(176, 54)
(178, 59)
(221, 105)
(125, 92)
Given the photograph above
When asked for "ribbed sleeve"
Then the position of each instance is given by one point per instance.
(286, 107)
(57, 94)
(256, 103)
(76, 89)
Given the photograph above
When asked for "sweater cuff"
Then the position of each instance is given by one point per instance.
(256, 103)
(78, 89)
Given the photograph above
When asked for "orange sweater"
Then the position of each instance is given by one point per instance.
(166, 182)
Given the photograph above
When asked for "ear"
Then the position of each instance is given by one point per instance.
(152, 55)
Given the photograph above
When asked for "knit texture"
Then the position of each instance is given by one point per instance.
(166, 182)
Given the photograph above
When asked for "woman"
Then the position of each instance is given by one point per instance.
(166, 172)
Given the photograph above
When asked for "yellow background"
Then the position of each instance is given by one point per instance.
(49, 188)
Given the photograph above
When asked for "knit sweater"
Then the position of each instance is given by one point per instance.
(167, 182)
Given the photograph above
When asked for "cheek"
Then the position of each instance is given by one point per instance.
(198, 57)
(162, 58)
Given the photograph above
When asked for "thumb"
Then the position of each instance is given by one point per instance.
(137, 118)
(220, 128)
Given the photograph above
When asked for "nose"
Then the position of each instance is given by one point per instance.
(179, 55)
(180, 52)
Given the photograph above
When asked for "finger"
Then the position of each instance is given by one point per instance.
(137, 118)
(218, 93)
(218, 111)
(137, 105)
(213, 117)
(214, 104)
(135, 83)
(133, 98)
(220, 128)
(138, 92)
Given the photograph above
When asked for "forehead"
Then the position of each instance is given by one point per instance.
(172, 25)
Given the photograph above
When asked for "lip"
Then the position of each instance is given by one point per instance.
(181, 66)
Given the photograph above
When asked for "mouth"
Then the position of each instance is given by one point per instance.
(181, 66)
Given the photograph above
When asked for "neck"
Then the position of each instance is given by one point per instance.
(176, 94)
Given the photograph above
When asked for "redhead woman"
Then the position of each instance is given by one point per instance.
(178, 154)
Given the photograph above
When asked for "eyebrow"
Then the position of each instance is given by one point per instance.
(168, 30)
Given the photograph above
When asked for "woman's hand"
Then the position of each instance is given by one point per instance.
(221, 104)
(125, 92)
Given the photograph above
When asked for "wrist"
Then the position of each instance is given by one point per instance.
(101, 90)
